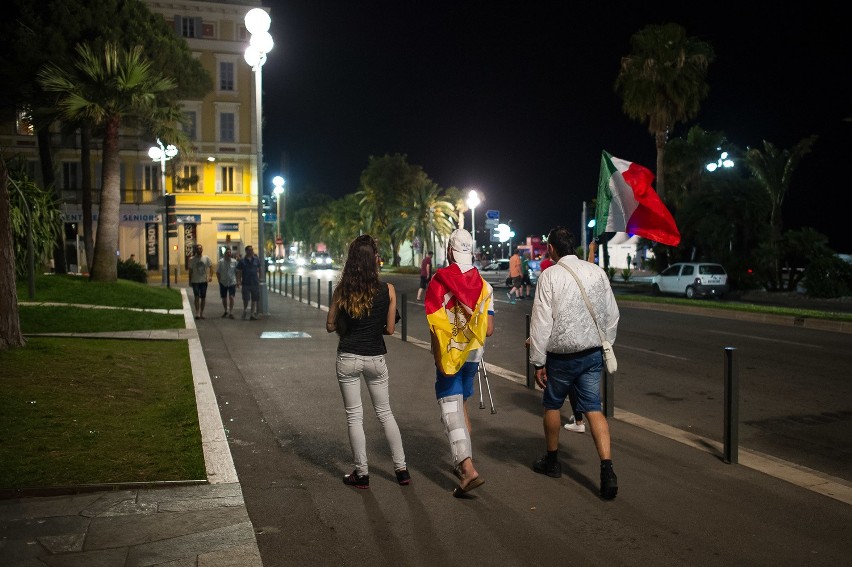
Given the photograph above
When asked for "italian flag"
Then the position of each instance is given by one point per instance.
(628, 203)
(457, 313)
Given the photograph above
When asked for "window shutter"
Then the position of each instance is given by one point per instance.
(219, 174)
(197, 28)
(238, 180)
(178, 21)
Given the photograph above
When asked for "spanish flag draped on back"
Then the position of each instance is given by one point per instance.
(457, 312)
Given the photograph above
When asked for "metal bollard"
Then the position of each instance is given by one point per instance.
(319, 291)
(732, 408)
(300, 289)
(609, 393)
(329, 294)
(309, 291)
(530, 381)
(404, 314)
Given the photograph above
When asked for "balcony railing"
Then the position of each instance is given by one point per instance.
(128, 196)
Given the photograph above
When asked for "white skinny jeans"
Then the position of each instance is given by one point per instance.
(350, 368)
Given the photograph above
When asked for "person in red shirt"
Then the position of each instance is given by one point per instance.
(425, 273)
(546, 262)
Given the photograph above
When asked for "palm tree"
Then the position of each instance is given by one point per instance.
(773, 168)
(424, 212)
(662, 82)
(107, 89)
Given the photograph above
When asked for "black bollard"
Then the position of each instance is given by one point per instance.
(530, 381)
(609, 393)
(404, 314)
(732, 407)
(319, 291)
(300, 289)
(309, 291)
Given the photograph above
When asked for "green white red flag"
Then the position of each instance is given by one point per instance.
(628, 203)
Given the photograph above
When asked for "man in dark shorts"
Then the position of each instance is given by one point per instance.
(200, 274)
(248, 276)
(425, 273)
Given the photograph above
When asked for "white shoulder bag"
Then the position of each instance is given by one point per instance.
(606, 346)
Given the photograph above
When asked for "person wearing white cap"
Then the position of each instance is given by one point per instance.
(460, 312)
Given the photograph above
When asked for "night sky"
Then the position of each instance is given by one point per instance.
(516, 99)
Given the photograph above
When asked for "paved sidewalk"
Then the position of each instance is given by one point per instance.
(192, 525)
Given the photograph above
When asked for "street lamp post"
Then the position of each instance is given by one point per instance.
(472, 202)
(278, 190)
(162, 154)
(257, 23)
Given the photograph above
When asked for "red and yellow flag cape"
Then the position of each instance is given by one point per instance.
(456, 310)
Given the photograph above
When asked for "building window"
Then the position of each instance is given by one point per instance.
(188, 27)
(189, 180)
(226, 76)
(24, 123)
(227, 127)
(227, 178)
(70, 175)
(151, 178)
(190, 124)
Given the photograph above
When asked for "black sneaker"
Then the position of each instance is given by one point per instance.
(552, 469)
(609, 483)
(402, 477)
(357, 481)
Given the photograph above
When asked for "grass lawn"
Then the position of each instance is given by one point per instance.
(57, 319)
(88, 411)
(77, 289)
(80, 411)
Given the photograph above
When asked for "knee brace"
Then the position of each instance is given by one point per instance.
(452, 416)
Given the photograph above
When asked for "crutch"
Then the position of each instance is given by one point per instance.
(483, 372)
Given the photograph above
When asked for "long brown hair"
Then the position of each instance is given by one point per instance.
(359, 280)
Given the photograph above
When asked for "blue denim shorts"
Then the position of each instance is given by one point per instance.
(580, 372)
(460, 383)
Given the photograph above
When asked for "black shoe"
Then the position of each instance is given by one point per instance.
(357, 481)
(609, 483)
(552, 469)
(402, 477)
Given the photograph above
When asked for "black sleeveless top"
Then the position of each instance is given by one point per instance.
(365, 335)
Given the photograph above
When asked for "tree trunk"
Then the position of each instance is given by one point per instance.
(10, 323)
(660, 139)
(48, 177)
(105, 264)
(86, 163)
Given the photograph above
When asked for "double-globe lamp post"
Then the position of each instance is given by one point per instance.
(472, 202)
(162, 154)
(257, 23)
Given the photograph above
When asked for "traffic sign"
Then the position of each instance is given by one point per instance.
(491, 223)
(492, 214)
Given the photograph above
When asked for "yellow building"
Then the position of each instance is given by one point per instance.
(220, 207)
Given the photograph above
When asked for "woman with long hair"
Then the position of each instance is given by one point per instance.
(362, 310)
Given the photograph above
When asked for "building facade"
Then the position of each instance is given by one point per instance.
(216, 185)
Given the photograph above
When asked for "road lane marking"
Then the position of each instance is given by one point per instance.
(755, 337)
(646, 351)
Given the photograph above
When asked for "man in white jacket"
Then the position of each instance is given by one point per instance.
(565, 349)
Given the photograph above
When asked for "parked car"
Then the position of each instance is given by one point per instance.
(321, 260)
(496, 266)
(692, 279)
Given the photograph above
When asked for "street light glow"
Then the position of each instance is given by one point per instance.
(472, 202)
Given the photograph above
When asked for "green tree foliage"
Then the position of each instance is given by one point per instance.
(800, 249)
(31, 205)
(663, 81)
(106, 88)
(383, 183)
(340, 222)
(424, 214)
(773, 168)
